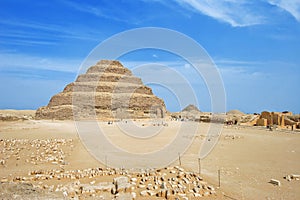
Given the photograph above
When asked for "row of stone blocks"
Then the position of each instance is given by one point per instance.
(117, 88)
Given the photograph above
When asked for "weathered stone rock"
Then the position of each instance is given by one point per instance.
(211, 188)
(2, 162)
(163, 186)
(151, 192)
(275, 182)
(141, 186)
(122, 184)
(133, 179)
(133, 194)
(144, 193)
(295, 176)
(103, 187)
(4, 180)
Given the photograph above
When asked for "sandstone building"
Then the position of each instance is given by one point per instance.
(275, 118)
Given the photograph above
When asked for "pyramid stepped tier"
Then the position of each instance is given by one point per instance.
(108, 77)
(104, 100)
(114, 67)
(107, 91)
(107, 87)
(61, 112)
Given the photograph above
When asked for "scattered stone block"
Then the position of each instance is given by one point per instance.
(288, 178)
(4, 180)
(144, 193)
(151, 192)
(122, 184)
(275, 182)
(2, 162)
(295, 176)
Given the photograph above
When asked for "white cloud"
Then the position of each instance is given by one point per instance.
(20, 33)
(237, 74)
(14, 60)
(291, 6)
(231, 62)
(235, 12)
(100, 11)
(240, 13)
(240, 69)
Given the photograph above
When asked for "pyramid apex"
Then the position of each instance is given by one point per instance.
(109, 62)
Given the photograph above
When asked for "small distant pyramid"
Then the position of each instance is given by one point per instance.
(235, 112)
(190, 112)
(191, 108)
(108, 91)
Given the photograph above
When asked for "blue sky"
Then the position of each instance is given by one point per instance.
(255, 45)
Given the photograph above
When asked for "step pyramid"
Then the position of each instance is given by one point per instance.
(107, 91)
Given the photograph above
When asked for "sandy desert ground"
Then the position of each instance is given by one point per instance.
(247, 157)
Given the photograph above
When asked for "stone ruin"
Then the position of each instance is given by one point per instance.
(168, 183)
(51, 175)
(282, 119)
(107, 91)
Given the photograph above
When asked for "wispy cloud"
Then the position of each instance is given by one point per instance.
(231, 70)
(234, 71)
(237, 13)
(27, 42)
(34, 33)
(22, 61)
(21, 33)
(100, 11)
(88, 9)
(240, 13)
(291, 6)
(32, 25)
(237, 74)
(35, 73)
(223, 62)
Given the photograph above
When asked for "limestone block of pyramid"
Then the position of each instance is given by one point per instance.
(106, 91)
